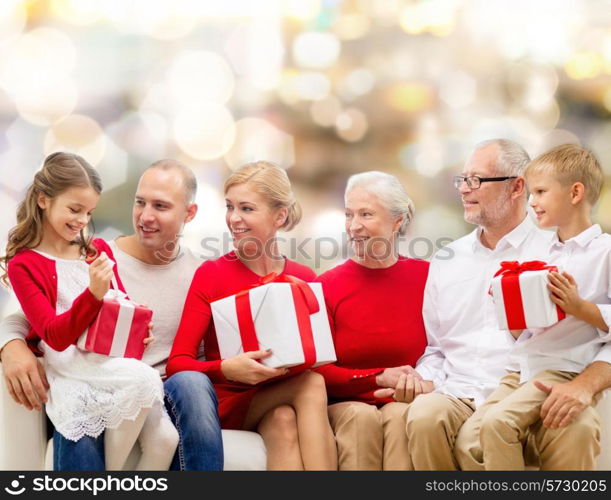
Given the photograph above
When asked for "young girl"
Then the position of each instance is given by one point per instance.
(60, 276)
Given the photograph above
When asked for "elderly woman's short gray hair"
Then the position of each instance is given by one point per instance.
(389, 191)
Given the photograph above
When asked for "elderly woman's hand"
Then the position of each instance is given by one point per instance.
(246, 369)
(411, 386)
(390, 376)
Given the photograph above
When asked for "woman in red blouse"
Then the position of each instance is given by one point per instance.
(374, 301)
(290, 413)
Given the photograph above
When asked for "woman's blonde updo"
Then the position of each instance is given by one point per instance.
(273, 184)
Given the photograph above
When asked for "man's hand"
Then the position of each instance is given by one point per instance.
(24, 375)
(565, 401)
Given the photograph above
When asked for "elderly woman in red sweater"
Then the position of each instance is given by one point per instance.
(374, 301)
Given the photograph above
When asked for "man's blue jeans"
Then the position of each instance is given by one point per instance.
(191, 401)
(192, 405)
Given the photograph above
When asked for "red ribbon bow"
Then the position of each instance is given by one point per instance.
(509, 267)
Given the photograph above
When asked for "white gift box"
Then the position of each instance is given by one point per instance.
(274, 315)
(537, 309)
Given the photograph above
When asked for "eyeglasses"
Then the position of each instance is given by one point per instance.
(474, 182)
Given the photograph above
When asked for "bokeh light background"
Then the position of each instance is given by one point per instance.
(324, 88)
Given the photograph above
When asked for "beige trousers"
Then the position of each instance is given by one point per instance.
(433, 421)
(369, 438)
(508, 424)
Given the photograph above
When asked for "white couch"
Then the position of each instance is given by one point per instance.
(24, 444)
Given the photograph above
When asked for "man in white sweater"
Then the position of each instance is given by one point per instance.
(156, 271)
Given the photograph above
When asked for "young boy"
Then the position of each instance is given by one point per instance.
(564, 184)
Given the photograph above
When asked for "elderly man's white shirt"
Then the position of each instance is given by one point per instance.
(467, 353)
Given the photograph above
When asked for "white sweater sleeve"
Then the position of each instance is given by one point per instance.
(14, 326)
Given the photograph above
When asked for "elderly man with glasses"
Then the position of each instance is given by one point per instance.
(467, 353)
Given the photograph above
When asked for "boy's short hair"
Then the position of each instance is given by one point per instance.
(570, 163)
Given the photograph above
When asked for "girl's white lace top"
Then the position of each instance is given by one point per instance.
(90, 392)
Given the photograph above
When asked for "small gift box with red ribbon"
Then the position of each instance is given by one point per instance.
(281, 313)
(119, 329)
(521, 296)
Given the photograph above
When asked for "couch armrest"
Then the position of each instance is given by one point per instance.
(23, 434)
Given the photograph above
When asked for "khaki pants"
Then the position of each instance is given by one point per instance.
(433, 421)
(508, 423)
(369, 438)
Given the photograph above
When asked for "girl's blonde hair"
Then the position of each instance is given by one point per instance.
(272, 183)
(59, 172)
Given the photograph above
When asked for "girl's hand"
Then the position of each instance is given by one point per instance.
(564, 293)
(149, 340)
(100, 274)
(246, 369)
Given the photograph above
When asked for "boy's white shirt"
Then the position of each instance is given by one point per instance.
(572, 344)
